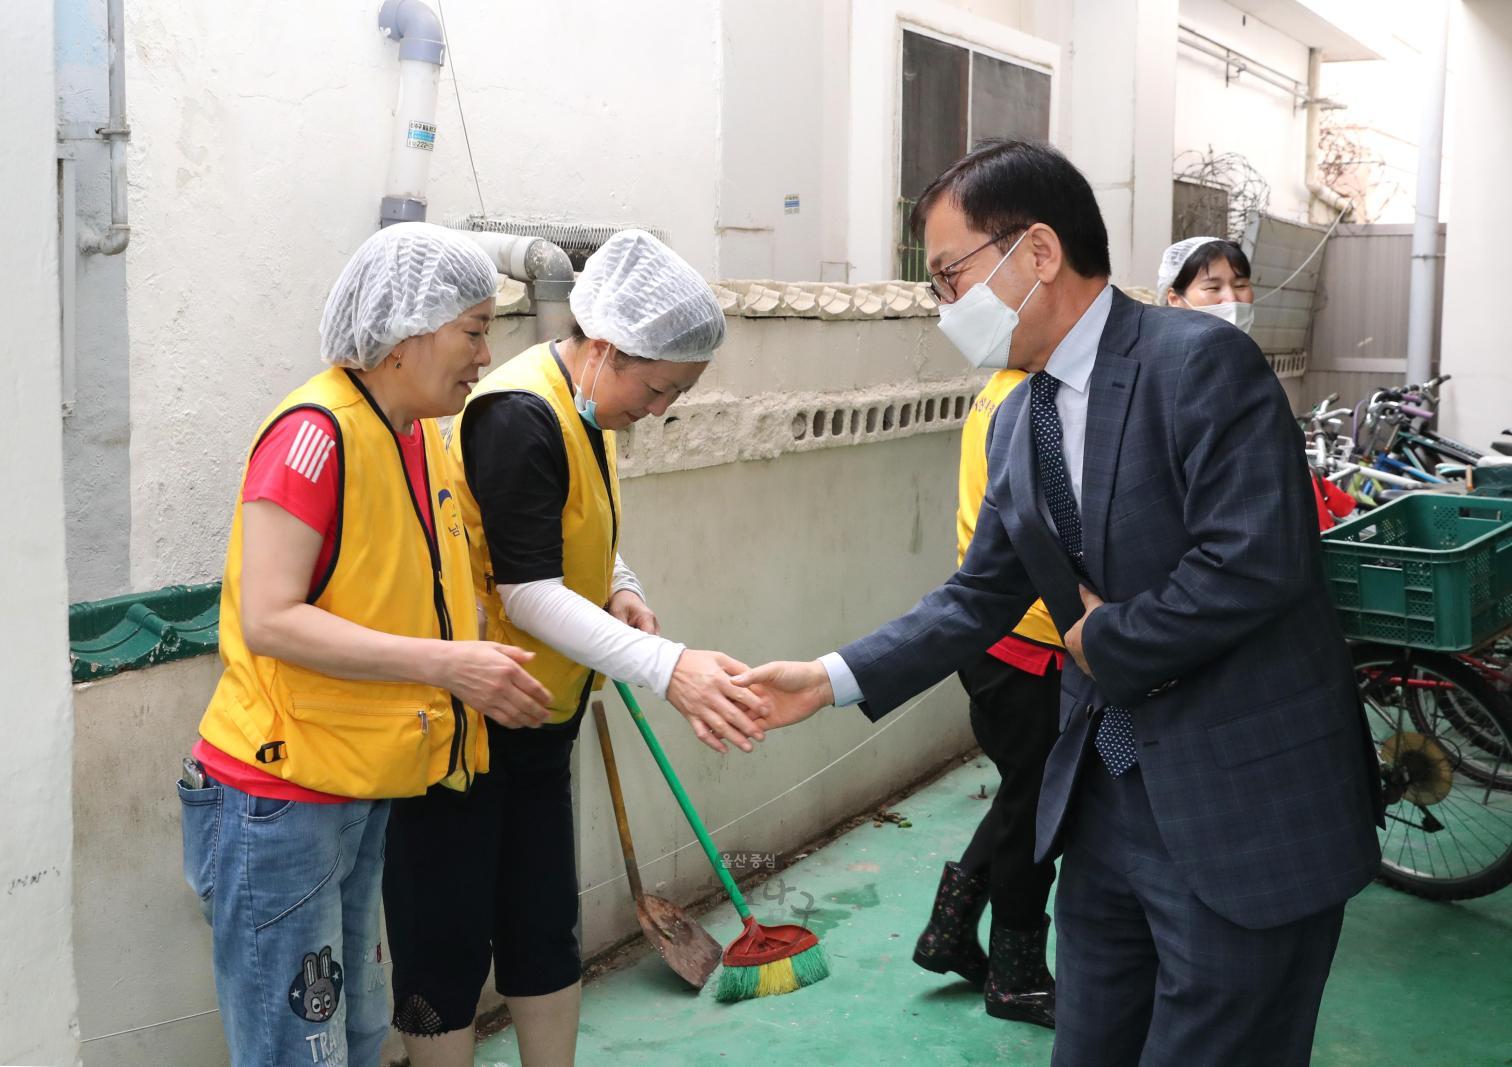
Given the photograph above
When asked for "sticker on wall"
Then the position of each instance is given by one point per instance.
(790, 204)
(421, 135)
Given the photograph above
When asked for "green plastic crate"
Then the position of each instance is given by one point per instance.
(1428, 570)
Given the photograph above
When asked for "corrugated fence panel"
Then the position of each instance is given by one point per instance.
(1359, 339)
(1279, 253)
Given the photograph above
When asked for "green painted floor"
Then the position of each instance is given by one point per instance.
(1414, 983)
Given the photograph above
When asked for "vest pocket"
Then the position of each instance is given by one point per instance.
(365, 749)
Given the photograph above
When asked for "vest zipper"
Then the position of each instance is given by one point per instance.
(600, 448)
(438, 590)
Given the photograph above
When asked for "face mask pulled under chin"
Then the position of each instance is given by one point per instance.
(980, 325)
(1241, 315)
(586, 406)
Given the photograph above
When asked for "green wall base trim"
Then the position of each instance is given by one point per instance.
(139, 630)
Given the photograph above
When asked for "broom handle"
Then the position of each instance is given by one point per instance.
(617, 795)
(682, 800)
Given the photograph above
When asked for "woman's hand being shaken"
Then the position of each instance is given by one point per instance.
(716, 708)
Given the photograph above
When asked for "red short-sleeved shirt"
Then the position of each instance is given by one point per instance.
(296, 466)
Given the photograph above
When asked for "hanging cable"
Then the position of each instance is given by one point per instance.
(1276, 289)
(457, 90)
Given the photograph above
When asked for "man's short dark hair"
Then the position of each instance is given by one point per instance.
(1006, 186)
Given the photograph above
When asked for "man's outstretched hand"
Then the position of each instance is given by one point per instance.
(793, 691)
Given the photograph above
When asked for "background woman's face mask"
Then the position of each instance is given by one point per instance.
(1241, 315)
(979, 324)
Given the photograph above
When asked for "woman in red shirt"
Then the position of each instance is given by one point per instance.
(348, 635)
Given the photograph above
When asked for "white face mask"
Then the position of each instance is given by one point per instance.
(981, 325)
(1241, 315)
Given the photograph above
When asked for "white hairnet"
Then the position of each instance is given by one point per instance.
(1174, 259)
(408, 279)
(647, 301)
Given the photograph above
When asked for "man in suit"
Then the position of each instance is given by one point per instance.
(1212, 791)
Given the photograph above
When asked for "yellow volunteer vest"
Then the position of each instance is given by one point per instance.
(1037, 624)
(352, 738)
(590, 524)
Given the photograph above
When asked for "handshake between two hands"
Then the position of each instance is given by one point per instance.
(723, 699)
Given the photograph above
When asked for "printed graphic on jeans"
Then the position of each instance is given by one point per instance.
(317, 987)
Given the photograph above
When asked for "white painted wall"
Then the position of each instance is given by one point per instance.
(773, 139)
(1250, 117)
(96, 423)
(258, 154)
(1478, 403)
(1121, 88)
(38, 998)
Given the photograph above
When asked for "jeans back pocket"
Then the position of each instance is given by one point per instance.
(200, 816)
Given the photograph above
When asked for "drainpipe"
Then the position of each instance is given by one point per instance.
(543, 267)
(1320, 192)
(421, 52)
(115, 239)
(1423, 291)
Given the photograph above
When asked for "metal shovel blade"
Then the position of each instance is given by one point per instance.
(683, 943)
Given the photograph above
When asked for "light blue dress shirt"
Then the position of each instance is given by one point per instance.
(1072, 363)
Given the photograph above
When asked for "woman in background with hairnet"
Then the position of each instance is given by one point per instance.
(491, 877)
(1210, 275)
(352, 668)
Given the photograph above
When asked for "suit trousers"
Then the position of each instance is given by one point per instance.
(1148, 974)
(1014, 715)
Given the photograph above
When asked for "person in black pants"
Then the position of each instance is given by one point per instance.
(1015, 697)
(489, 877)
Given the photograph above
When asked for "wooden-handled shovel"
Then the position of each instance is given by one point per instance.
(683, 943)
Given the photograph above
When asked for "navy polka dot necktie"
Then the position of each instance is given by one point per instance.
(1114, 740)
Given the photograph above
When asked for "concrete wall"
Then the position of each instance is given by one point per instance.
(38, 997)
(97, 394)
(778, 557)
(1478, 403)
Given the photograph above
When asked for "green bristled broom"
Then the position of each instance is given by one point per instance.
(764, 960)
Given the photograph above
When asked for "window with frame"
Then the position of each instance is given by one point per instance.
(954, 97)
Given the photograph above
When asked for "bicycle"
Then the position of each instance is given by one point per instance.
(1443, 735)
(1423, 587)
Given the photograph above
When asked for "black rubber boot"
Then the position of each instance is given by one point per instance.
(949, 942)
(1019, 985)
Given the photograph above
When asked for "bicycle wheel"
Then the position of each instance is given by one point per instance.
(1444, 739)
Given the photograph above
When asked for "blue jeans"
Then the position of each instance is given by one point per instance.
(291, 891)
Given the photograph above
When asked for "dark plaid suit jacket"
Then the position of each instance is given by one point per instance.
(1200, 532)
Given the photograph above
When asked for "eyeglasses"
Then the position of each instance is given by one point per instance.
(942, 281)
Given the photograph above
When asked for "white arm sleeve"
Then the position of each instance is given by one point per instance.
(624, 578)
(585, 633)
